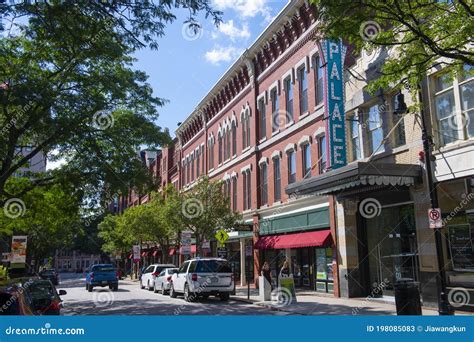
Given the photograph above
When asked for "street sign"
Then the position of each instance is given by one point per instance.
(434, 217)
(248, 250)
(222, 252)
(222, 236)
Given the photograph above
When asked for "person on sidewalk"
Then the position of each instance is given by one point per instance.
(265, 272)
(285, 270)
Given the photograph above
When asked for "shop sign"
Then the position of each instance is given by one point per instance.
(334, 53)
(18, 250)
(136, 253)
(186, 242)
(434, 217)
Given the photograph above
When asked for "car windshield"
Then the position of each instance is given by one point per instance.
(105, 268)
(41, 290)
(213, 266)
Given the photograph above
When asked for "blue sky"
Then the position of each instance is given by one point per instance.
(187, 65)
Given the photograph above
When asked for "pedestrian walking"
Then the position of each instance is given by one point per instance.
(265, 272)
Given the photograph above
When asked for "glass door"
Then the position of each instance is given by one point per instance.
(391, 248)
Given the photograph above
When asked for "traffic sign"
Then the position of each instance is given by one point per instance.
(434, 217)
(222, 236)
(222, 252)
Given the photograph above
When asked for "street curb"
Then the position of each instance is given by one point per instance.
(268, 306)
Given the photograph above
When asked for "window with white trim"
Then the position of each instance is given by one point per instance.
(288, 99)
(211, 155)
(247, 185)
(322, 161)
(263, 120)
(234, 194)
(275, 109)
(291, 166)
(355, 138)
(219, 142)
(318, 80)
(198, 169)
(303, 88)
(454, 106)
(306, 159)
(234, 138)
(276, 179)
(375, 130)
(263, 183)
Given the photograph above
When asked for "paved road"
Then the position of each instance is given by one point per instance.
(131, 300)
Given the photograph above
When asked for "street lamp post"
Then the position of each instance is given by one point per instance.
(443, 304)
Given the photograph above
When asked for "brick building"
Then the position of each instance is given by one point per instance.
(263, 129)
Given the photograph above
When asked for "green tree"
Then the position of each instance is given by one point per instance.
(415, 34)
(117, 238)
(48, 215)
(73, 93)
(205, 209)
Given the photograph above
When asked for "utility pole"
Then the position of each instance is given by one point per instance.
(443, 303)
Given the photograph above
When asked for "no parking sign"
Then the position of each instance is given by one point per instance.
(434, 217)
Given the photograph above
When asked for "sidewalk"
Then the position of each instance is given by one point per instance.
(312, 303)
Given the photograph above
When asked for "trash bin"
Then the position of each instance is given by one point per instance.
(407, 297)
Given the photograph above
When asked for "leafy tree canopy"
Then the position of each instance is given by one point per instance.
(418, 34)
(69, 90)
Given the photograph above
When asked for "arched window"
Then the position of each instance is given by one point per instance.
(219, 141)
(234, 138)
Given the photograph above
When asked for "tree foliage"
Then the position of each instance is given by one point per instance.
(72, 91)
(205, 209)
(48, 215)
(417, 35)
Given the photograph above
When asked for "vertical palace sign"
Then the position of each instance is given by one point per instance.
(334, 53)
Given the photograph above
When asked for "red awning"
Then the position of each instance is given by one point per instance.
(193, 249)
(144, 254)
(320, 238)
(172, 251)
(130, 256)
(155, 253)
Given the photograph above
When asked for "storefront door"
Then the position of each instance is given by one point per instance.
(391, 248)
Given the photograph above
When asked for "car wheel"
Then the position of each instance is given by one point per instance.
(115, 288)
(224, 297)
(154, 288)
(141, 285)
(87, 287)
(188, 296)
(173, 294)
(90, 288)
(163, 292)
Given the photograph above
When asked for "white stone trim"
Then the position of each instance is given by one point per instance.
(233, 119)
(246, 168)
(291, 74)
(304, 61)
(276, 154)
(314, 52)
(290, 147)
(277, 85)
(305, 139)
(233, 174)
(319, 132)
(263, 95)
(226, 177)
(263, 160)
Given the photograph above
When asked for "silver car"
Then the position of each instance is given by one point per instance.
(163, 281)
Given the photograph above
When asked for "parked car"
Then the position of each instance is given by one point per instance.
(14, 301)
(150, 273)
(102, 275)
(203, 277)
(163, 280)
(44, 297)
(50, 274)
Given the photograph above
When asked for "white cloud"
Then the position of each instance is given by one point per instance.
(222, 54)
(245, 8)
(233, 32)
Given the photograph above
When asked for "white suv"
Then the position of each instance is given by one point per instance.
(203, 277)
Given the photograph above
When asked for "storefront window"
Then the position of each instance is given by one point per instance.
(461, 248)
(324, 274)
